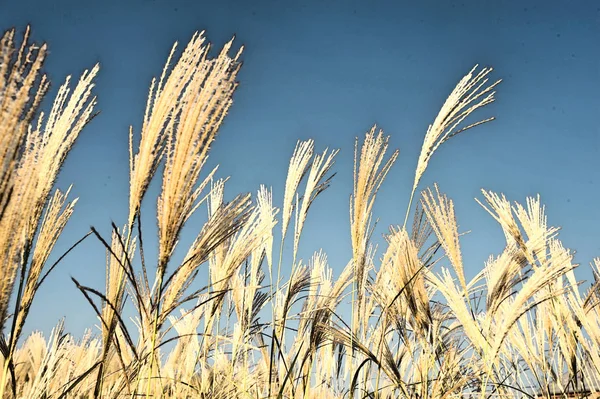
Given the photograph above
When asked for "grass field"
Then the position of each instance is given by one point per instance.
(521, 328)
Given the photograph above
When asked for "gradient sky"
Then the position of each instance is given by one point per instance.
(329, 70)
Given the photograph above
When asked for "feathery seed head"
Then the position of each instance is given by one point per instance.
(296, 171)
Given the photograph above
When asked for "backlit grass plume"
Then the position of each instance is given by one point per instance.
(470, 94)
(370, 170)
(22, 88)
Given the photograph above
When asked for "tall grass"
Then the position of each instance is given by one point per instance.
(417, 327)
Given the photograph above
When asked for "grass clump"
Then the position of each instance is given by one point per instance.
(417, 329)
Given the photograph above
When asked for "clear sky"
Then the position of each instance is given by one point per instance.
(329, 70)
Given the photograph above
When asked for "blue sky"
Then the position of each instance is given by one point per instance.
(329, 70)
